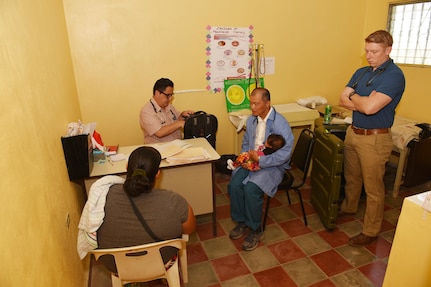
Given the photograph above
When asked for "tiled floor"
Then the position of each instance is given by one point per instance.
(290, 254)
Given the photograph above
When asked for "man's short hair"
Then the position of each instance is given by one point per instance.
(162, 84)
(264, 92)
(380, 37)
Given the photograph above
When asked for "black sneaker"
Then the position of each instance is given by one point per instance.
(238, 231)
(252, 240)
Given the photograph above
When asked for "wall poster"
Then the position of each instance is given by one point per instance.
(229, 55)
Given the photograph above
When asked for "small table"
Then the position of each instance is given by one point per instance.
(195, 181)
(297, 115)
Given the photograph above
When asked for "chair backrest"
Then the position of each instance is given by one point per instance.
(303, 151)
(141, 263)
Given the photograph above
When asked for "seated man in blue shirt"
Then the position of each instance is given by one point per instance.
(247, 187)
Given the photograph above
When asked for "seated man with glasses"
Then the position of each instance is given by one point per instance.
(159, 119)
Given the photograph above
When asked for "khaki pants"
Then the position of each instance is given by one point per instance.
(365, 158)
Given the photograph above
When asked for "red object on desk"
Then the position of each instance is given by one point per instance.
(98, 138)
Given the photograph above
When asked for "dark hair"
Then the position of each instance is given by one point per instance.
(266, 96)
(380, 37)
(142, 169)
(276, 141)
(162, 84)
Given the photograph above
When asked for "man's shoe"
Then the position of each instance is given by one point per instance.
(252, 240)
(361, 240)
(238, 231)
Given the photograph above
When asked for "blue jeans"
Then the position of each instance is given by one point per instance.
(246, 200)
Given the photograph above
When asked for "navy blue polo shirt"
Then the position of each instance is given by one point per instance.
(387, 79)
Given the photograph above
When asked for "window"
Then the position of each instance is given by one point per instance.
(410, 26)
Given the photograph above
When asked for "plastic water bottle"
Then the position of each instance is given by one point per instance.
(327, 116)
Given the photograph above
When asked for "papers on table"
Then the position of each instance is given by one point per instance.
(171, 148)
(188, 155)
(178, 151)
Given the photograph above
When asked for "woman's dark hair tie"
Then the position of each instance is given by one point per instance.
(139, 171)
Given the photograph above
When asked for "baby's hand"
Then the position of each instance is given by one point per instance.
(253, 155)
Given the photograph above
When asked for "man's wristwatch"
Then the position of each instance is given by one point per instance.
(351, 95)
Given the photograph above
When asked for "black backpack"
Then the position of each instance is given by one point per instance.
(201, 124)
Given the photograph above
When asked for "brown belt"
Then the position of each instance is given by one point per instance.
(367, 132)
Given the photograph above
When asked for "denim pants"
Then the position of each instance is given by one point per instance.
(246, 200)
(365, 158)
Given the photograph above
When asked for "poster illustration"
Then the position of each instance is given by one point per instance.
(238, 92)
(229, 55)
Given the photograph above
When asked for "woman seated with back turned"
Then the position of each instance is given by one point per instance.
(167, 214)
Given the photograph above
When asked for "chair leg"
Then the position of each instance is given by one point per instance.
(173, 275)
(288, 197)
(266, 212)
(302, 206)
(116, 282)
(183, 265)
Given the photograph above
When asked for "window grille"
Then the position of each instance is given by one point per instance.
(410, 26)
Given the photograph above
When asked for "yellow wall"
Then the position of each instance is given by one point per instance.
(118, 49)
(38, 98)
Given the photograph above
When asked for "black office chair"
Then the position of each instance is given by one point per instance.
(301, 159)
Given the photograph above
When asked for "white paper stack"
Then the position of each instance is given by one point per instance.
(188, 155)
(171, 148)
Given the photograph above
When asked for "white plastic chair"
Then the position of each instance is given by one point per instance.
(144, 263)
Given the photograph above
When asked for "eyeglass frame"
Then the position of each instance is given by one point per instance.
(167, 95)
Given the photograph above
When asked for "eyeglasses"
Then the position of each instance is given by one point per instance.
(167, 95)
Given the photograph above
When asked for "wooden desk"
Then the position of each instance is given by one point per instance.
(194, 180)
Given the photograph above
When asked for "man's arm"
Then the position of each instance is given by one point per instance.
(282, 155)
(179, 124)
(168, 129)
(368, 105)
(150, 122)
(344, 99)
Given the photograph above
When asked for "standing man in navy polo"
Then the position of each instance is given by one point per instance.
(372, 94)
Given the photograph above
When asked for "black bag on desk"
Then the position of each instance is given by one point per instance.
(201, 124)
